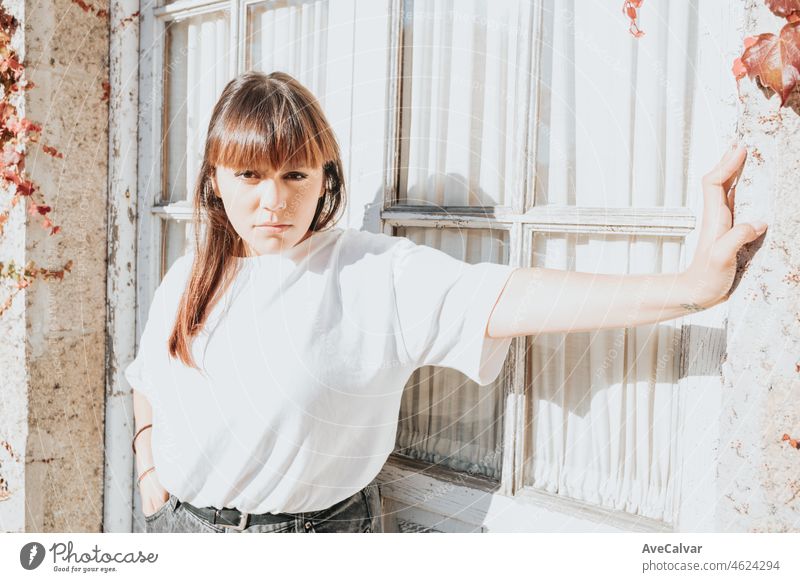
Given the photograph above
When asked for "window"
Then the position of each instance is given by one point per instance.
(519, 132)
(548, 134)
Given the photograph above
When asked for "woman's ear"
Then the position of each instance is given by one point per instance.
(213, 177)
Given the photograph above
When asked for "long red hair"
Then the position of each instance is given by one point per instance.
(259, 117)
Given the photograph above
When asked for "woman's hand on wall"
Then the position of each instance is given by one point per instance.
(711, 273)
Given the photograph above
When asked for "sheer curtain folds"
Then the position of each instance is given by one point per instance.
(614, 121)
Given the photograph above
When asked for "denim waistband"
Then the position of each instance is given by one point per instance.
(233, 518)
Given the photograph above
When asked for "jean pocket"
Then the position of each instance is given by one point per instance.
(372, 497)
(161, 510)
(359, 513)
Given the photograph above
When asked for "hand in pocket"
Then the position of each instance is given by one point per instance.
(153, 494)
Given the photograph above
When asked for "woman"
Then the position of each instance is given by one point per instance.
(268, 380)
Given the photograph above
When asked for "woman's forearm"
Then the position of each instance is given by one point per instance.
(537, 300)
(142, 415)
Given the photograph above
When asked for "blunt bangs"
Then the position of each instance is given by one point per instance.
(272, 132)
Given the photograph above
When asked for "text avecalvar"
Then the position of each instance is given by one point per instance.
(671, 549)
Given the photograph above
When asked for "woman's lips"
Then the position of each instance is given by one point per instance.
(271, 228)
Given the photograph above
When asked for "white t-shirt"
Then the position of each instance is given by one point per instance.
(304, 361)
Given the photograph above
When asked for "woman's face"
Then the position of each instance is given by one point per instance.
(257, 200)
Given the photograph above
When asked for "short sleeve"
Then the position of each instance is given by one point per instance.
(139, 372)
(443, 308)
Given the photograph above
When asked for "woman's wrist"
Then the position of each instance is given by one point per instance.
(139, 432)
(144, 475)
(699, 293)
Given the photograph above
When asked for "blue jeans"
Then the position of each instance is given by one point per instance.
(360, 512)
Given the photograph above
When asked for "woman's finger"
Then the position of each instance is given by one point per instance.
(729, 244)
(717, 209)
(731, 182)
(725, 169)
(732, 199)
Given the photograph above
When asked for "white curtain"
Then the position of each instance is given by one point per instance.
(445, 417)
(465, 85)
(197, 70)
(614, 116)
(615, 112)
(291, 36)
(605, 404)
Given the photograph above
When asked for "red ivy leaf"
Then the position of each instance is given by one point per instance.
(52, 151)
(18, 125)
(793, 442)
(24, 187)
(10, 156)
(739, 70)
(8, 22)
(788, 9)
(11, 63)
(775, 60)
(40, 208)
(630, 9)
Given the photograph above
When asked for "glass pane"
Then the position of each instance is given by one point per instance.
(290, 36)
(175, 241)
(465, 88)
(445, 418)
(615, 113)
(196, 71)
(604, 405)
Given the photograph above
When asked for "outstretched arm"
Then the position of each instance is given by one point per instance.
(537, 300)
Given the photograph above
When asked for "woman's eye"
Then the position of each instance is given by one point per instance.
(247, 174)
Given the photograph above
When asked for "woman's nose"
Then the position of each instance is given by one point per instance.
(268, 197)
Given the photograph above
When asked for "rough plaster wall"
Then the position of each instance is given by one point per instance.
(66, 47)
(759, 474)
(14, 375)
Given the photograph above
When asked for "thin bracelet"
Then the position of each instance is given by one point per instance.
(139, 480)
(133, 442)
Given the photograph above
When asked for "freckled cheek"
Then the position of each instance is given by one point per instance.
(300, 201)
(242, 211)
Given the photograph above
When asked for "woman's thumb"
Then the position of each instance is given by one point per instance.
(739, 235)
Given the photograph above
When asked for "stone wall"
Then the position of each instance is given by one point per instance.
(759, 473)
(53, 394)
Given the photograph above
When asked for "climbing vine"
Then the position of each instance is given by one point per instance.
(16, 133)
(630, 8)
(773, 60)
